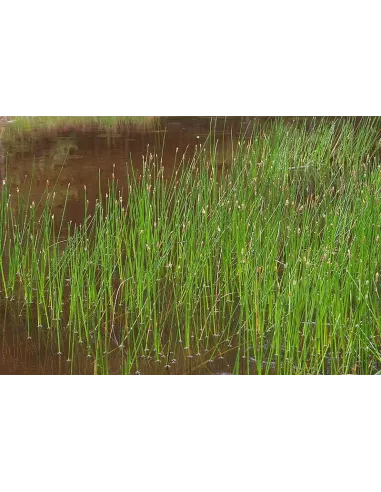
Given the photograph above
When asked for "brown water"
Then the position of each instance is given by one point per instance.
(75, 159)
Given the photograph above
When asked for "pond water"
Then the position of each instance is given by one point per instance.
(75, 159)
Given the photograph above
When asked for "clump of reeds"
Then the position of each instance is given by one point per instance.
(269, 259)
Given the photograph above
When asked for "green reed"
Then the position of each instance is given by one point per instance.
(266, 253)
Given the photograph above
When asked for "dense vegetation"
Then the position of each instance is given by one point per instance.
(268, 251)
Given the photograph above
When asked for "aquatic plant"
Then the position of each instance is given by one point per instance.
(266, 256)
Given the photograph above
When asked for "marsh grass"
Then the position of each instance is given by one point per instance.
(38, 126)
(268, 260)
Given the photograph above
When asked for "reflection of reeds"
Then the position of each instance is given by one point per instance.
(272, 263)
(39, 125)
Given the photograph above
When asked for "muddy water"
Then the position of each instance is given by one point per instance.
(67, 162)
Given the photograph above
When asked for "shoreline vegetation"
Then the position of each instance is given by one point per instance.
(271, 258)
(14, 127)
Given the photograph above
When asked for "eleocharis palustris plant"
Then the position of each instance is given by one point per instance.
(263, 252)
